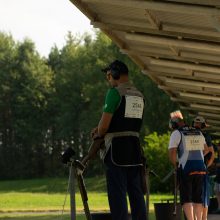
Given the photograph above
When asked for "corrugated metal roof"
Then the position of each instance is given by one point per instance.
(175, 42)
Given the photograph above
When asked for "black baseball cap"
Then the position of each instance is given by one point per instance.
(116, 66)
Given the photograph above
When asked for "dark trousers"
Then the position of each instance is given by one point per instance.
(120, 182)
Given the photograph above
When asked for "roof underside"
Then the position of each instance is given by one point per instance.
(175, 42)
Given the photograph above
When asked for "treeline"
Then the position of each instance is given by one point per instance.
(48, 104)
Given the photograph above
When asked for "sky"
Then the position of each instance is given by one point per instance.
(45, 22)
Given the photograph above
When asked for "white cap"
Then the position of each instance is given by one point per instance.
(200, 119)
(176, 114)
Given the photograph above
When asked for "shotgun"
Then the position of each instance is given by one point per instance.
(95, 146)
(79, 168)
(175, 191)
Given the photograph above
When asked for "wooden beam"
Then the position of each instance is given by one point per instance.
(169, 71)
(120, 22)
(173, 53)
(177, 89)
(187, 88)
(180, 87)
(216, 22)
(206, 107)
(180, 74)
(216, 122)
(208, 120)
(211, 115)
(188, 29)
(199, 101)
(203, 57)
(188, 108)
(197, 109)
(193, 83)
(213, 128)
(166, 30)
(147, 51)
(208, 47)
(159, 6)
(199, 2)
(185, 65)
(199, 96)
(207, 76)
(157, 53)
(213, 91)
(193, 101)
(157, 73)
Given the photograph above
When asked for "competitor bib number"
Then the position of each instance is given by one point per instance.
(193, 142)
(134, 107)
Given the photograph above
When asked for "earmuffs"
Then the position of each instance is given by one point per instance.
(115, 71)
(173, 123)
(201, 120)
(116, 68)
(203, 124)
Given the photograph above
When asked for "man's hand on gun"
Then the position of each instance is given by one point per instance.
(97, 143)
(94, 133)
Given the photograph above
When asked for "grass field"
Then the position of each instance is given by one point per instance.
(50, 217)
(43, 199)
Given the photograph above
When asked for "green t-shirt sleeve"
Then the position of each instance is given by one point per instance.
(112, 100)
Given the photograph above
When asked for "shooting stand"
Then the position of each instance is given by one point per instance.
(76, 171)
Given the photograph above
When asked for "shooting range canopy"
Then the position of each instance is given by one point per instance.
(175, 42)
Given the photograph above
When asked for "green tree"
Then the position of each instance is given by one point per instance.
(25, 84)
(7, 76)
(79, 91)
(49, 104)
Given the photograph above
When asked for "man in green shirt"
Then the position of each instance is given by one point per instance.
(120, 125)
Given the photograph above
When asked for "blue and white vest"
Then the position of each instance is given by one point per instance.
(190, 151)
